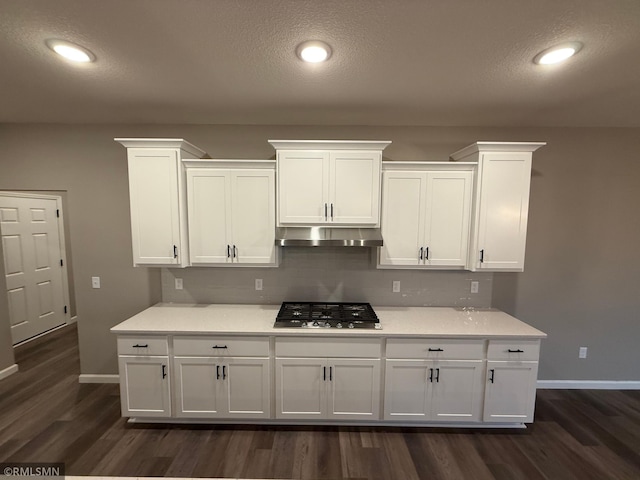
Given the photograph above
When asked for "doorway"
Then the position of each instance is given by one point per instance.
(35, 263)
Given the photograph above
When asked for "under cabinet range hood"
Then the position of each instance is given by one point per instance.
(328, 237)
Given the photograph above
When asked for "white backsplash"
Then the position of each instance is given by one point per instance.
(331, 274)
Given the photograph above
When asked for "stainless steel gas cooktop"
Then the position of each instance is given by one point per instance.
(326, 315)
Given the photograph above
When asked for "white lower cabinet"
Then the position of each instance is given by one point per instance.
(222, 377)
(145, 386)
(315, 387)
(332, 388)
(512, 375)
(211, 387)
(425, 390)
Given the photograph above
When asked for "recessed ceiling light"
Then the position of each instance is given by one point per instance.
(557, 54)
(71, 51)
(314, 51)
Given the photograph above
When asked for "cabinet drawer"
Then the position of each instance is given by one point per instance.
(328, 347)
(516, 349)
(210, 346)
(462, 349)
(142, 345)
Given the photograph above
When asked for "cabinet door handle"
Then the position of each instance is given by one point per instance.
(435, 349)
(482, 255)
(421, 252)
(324, 374)
(325, 212)
(426, 253)
(217, 372)
(175, 251)
(224, 372)
(219, 346)
(137, 345)
(431, 375)
(492, 373)
(515, 351)
(164, 371)
(228, 251)
(332, 212)
(235, 252)
(438, 375)
(331, 374)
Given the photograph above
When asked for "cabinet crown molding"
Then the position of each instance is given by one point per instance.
(228, 163)
(484, 146)
(180, 143)
(329, 144)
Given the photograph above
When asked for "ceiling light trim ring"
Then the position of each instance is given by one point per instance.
(314, 51)
(71, 51)
(569, 49)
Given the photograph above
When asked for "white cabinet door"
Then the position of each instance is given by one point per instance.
(198, 387)
(144, 386)
(354, 188)
(300, 388)
(247, 388)
(503, 211)
(403, 213)
(254, 216)
(211, 387)
(209, 200)
(231, 216)
(457, 390)
(425, 390)
(406, 390)
(155, 209)
(447, 216)
(303, 187)
(510, 392)
(354, 389)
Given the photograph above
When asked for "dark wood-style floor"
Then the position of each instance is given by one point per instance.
(47, 416)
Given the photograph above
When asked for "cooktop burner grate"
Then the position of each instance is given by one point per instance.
(327, 315)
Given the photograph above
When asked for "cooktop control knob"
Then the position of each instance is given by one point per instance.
(327, 324)
(339, 325)
(316, 324)
(304, 324)
(351, 325)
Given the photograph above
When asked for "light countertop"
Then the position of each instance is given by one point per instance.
(186, 319)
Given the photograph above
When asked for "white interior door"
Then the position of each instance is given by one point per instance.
(33, 263)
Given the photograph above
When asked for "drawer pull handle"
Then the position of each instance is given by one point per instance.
(137, 345)
(493, 373)
(219, 346)
(515, 351)
(164, 371)
(436, 350)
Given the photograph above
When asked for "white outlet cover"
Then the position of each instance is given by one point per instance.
(95, 282)
(258, 284)
(179, 284)
(396, 286)
(475, 286)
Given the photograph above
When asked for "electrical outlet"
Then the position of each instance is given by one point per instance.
(95, 282)
(396, 286)
(582, 352)
(178, 284)
(258, 284)
(474, 286)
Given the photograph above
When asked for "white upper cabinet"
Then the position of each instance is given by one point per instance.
(231, 209)
(329, 182)
(499, 220)
(157, 199)
(426, 210)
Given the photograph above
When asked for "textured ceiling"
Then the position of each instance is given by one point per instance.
(395, 62)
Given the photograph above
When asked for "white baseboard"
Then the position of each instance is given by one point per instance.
(8, 371)
(589, 384)
(90, 378)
